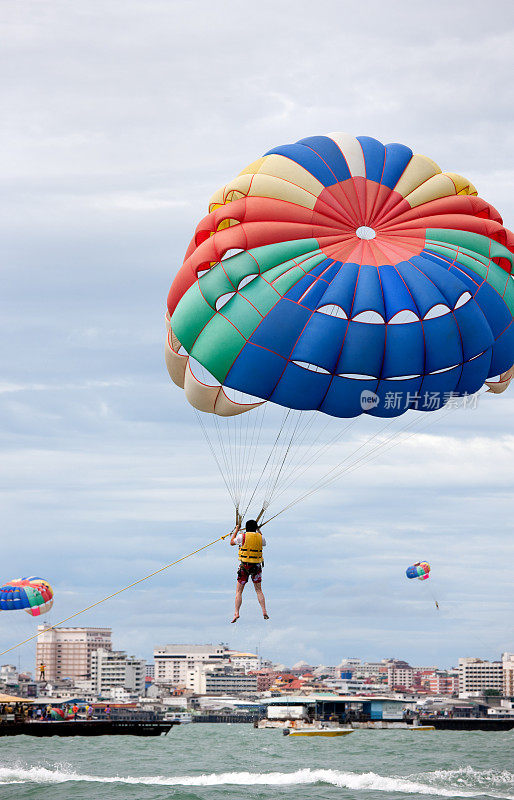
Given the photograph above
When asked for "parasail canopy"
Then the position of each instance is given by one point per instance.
(342, 276)
(361, 267)
(419, 570)
(33, 595)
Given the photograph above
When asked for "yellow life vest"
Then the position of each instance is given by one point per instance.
(251, 550)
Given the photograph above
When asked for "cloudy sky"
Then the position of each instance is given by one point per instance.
(120, 120)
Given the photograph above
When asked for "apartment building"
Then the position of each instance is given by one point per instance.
(174, 662)
(508, 674)
(476, 675)
(66, 652)
(114, 668)
(221, 680)
(399, 673)
(249, 662)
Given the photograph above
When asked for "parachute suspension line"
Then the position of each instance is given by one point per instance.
(236, 454)
(225, 472)
(271, 463)
(227, 455)
(323, 449)
(307, 459)
(392, 443)
(284, 420)
(271, 490)
(374, 453)
(281, 455)
(336, 472)
(213, 451)
(254, 444)
(239, 453)
(114, 594)
(244, 459)
(277, 451)
(432, 595)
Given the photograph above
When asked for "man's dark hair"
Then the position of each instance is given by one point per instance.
(251, 525)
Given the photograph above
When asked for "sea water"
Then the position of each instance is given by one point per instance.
(197, 761)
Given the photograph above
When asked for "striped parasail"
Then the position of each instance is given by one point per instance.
(33, 595)
(346, 276)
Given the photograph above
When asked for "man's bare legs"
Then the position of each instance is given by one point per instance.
(239, 599)
(260, 598)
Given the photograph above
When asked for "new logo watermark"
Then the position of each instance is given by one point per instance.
(427, 401)
(369, 400)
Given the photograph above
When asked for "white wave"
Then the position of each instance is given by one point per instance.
(475, 782)
(471, 778)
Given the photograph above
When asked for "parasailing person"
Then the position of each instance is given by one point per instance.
(250, 542)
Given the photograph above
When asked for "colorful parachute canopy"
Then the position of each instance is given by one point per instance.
(33, 595)
(346, 276)
(419, 570)
(59, 714)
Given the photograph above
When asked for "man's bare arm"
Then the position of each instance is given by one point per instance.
(234, 534)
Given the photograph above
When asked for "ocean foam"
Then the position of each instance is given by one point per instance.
(465, 782)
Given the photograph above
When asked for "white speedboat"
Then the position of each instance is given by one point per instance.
(317, 731)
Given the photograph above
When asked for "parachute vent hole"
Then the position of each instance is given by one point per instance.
(403, 317)
(312, 367)
(371, 317)
(332, 311)
(357, 377)
(246, 280)
(444, 369)
(365, 232)
(403, 377)
(223, 300)
(241, 397)
(463, 299)
(234, 251)
(201, 374)
(439, 310)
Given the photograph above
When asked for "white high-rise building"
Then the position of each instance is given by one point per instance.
(175, 662)
(114, 668)
(508, 674)
(476, 675)
(66, 652)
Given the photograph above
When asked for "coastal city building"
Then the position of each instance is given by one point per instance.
(66, 652)
(221, 680)
(477, 675)
(192, 679)
(508, 674)
(114, 668)
(249, 662)
(441, 682)
(400, 675)
(174, 661)
(8, 674)
(324, 671)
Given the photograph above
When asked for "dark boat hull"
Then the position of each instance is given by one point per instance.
(90, 728)
(469, 723)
